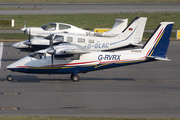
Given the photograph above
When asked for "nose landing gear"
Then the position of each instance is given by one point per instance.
(10, 77)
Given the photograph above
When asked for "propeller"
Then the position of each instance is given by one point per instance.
(24, 29)
(29, 40)
(28, 43)
(51, 51)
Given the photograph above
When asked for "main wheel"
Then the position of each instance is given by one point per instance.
(10, 78)
(74, 78)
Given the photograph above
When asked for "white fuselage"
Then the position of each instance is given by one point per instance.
(85, 62)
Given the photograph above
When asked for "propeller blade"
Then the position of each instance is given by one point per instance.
(25, 29)
(51, 41)
(29, 35)
(24, 24)
(52, 60)
(29, 40)
(51, 51)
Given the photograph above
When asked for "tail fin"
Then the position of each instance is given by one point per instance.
(157, 45)
(119, 26)
(134, 31)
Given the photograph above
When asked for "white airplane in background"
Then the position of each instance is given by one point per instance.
(53, 28)
(67, 58)
(130, 36)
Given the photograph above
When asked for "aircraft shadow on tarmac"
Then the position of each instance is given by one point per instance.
(35, 79)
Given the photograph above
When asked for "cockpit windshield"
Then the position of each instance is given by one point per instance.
(38, 55)
(49, 27)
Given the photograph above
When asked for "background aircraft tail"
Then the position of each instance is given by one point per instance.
(119, 26)
(157, 45)
(134, 31)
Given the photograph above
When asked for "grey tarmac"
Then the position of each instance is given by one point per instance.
(149, 90)
(70, 8)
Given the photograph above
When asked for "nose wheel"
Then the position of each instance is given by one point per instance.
(74, 77)
(10, 78)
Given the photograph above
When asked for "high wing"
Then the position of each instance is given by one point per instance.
(67, 48)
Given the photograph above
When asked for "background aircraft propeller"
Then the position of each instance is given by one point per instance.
(24, 29)
(51, 51)
(29, 40)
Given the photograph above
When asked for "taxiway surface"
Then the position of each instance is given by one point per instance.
(70, 8)
(150, 90)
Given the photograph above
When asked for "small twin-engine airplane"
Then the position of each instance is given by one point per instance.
(52, 28)
(40, 34)
(131, 35)
(68, 58)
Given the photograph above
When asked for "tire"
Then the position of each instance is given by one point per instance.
(74, 78)
(10, 78)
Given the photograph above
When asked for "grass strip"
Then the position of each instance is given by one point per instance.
(19, 36)
(91, 21)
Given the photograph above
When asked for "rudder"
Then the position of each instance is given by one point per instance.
(157, 45)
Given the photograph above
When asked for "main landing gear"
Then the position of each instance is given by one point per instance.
(74, 77)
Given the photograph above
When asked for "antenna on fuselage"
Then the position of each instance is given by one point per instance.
(83, 26)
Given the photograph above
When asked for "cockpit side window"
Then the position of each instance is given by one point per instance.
(59, 38)
(38, 55)
(63, 27)
(49, 27)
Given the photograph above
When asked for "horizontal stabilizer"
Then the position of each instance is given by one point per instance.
(137, 44)
(159, 58)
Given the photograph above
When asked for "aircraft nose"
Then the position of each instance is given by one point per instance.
(11, 67)
(19, 45)
(18, 65)
(15, 45)
(23, 29)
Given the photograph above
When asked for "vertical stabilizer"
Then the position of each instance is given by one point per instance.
(119, 26)
(157, 45)
(134, 31)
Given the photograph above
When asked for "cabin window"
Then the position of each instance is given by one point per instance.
(81, 40)
(49, 27)
(91, 41)
(59, 38)
(38, 55)
(69, 39)
(75, 57)
(63, 27)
